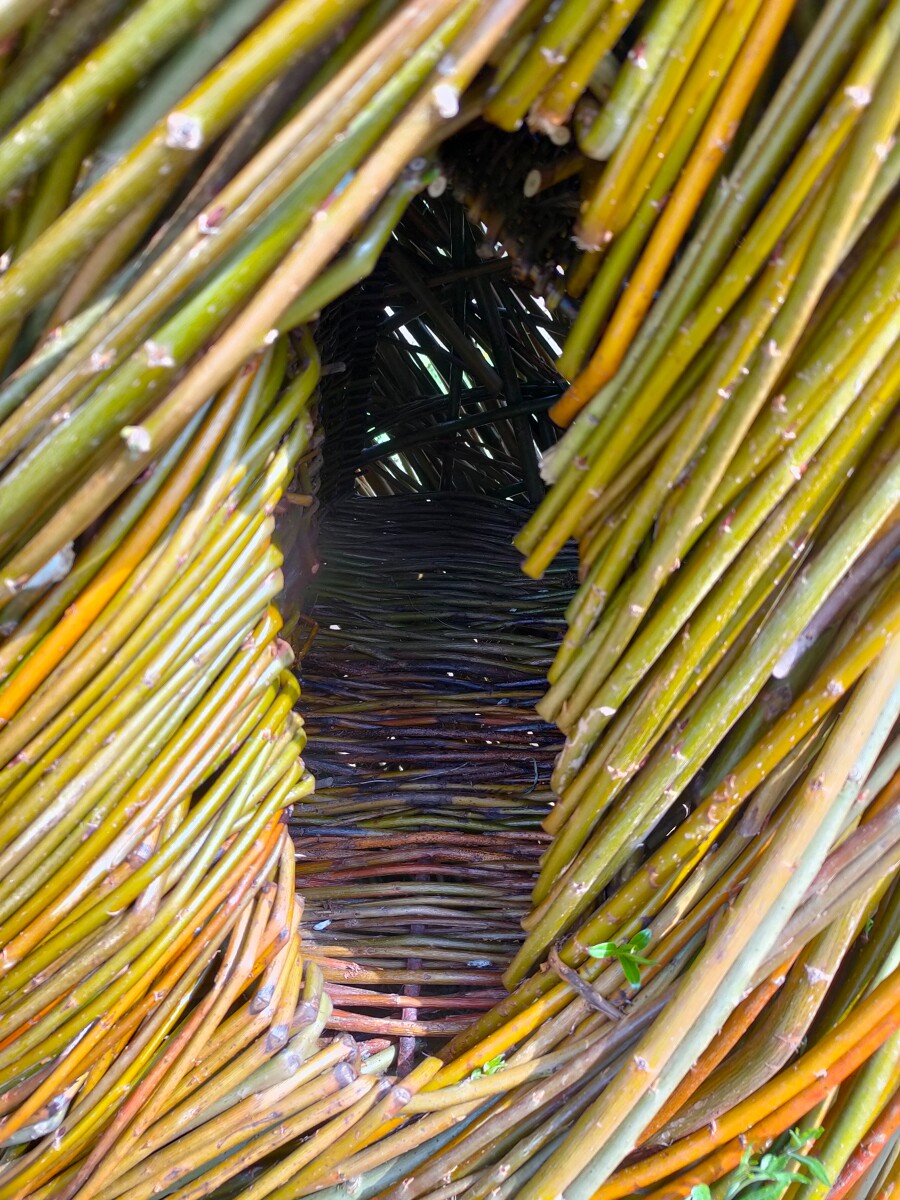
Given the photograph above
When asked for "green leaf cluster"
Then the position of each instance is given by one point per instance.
(774, 1170)
(629, 954)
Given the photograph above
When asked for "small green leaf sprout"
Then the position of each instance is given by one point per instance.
(797, 1141)
(629, 954)
(491, 1067)
(775, 1171)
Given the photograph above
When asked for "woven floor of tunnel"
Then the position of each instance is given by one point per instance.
(417, 855)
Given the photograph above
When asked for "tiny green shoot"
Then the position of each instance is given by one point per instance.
(629, 954)
(780, 1169)
(491, 1067)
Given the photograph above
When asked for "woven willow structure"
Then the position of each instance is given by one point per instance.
(338, 855)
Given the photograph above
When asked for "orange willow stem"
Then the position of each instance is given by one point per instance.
(699, 171)
(731, 1033)
(82, 612)
(869, 1148)
(763, 1133)
(799, 1087)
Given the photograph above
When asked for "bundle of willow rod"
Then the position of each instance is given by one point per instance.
(148, 881)
(730, 667)
(158, 1020)
(633, 116)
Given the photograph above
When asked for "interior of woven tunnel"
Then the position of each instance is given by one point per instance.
(423, 649)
